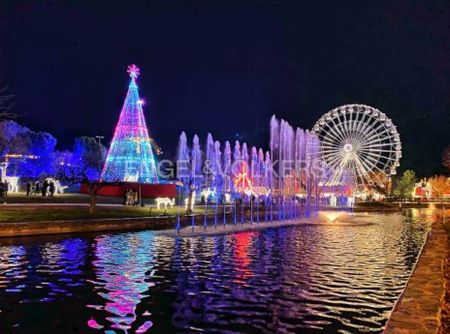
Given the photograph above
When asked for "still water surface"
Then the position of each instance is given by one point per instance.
(306, 279)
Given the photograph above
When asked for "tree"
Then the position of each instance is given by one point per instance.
(72, 176)
(405, 185)
(6, 105)
(83, 165)
(13, 139)
(446, 157)
(130, 155)
(90, 155)
(86, 159)
(28, 153)
(440, 185)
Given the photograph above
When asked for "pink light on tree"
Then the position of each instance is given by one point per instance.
(130, 156)
(133, 71)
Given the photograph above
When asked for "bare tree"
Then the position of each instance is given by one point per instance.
(446, 157)
(6, 105)
(72, 176)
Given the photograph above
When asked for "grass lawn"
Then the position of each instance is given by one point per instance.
(28, 213)
(60, 198)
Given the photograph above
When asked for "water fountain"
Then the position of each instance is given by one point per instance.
(289, 176)
(332, 216)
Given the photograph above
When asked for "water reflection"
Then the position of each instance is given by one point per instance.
(12, 271)
(124, 267)
(37, 279)
(306, 279)
(241, 257)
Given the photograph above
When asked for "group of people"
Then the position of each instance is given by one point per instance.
(47, 188)
(131, 197)
(4, 187)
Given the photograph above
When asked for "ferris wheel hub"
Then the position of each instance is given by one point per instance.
(348, 148)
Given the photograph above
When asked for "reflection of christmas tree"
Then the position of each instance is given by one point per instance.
(123, 267)
(130, 156)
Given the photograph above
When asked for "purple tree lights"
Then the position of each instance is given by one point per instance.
(130, 156)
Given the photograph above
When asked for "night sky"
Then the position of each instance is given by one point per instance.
(226, 67)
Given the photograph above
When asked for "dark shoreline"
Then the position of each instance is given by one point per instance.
(21, 229)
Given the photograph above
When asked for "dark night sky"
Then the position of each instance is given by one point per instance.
(226, 67)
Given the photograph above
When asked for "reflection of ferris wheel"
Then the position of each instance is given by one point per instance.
(359, 140)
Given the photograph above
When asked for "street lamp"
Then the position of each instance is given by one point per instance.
(99, 138)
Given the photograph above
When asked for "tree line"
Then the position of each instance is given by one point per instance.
(34, 154)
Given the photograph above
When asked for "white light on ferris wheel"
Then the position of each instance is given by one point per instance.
(361, 140)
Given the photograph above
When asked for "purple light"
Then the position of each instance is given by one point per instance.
(133, 71)
(130, 155)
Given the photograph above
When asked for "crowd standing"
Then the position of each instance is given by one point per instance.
(4, 187)
(131, 197)
(46, 189)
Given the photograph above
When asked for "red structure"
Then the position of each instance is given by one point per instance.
(118, 189)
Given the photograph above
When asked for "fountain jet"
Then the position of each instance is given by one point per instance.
(331, 216)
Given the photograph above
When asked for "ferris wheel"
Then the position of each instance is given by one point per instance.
(361, 141)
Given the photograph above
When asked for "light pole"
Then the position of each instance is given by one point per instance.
(99, 138)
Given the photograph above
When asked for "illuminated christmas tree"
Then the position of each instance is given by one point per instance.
(130, 155)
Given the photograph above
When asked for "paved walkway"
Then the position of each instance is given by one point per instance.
(220, 228)
(418, 309)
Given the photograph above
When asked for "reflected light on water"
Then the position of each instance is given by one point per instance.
(124, 273)
(242, 242)
(334, 279)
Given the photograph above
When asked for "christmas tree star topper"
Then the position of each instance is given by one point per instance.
(133, 71)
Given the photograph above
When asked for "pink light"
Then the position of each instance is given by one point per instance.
(130, 156)
(144, 327)
(94, 324)
(133, 71)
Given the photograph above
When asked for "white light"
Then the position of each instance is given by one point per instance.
(208, 192)
(348, 148)
(13, 183)
(186, 201)
(166, 201)
(359, 140)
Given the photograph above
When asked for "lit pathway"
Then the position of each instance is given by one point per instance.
(418, 309)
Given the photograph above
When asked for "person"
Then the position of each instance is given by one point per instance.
(125, 195)
(2, 189)
(37, 188)
(130, 197)
(135, 197)
(44, 188)
(51, 188)
(6, 188)
(28, 188)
